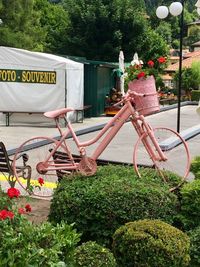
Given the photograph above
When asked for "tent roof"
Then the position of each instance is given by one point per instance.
(93, 62)
(16, 56)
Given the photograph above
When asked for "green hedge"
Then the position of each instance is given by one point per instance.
(195, 167)
(115, 195)
(150, 243)
(25, 244)
(194, 247)
(195, 95)
(189, 214)
(90, 254)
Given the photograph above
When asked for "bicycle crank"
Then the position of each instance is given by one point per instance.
(87, 166)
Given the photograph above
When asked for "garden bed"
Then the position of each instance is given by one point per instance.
(40, 209)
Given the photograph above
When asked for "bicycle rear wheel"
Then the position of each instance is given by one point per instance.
(43, 179)
(173, 146)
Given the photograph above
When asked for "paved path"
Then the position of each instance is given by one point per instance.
(121, 148)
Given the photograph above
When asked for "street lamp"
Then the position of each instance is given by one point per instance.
(176, 9)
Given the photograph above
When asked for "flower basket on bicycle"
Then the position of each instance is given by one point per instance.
(148, 104)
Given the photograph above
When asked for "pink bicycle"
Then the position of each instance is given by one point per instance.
(50, 159)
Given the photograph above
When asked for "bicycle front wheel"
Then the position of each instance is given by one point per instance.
(44, 177)
(174, 148)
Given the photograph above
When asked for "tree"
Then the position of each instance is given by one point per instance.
(196, 73)
(190, 78)
(21, 25)
(194, 36)
(54, 22)
(100, 28)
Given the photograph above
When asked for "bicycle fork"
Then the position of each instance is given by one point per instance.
(146, 135)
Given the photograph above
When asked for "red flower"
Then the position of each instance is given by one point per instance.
(4, 214)
(28, 208)
(13, 192)
(140, 75)
(161, 60)
(41, 181)
(21, 211)
(150, 63)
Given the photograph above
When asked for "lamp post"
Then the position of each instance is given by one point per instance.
(176, 9)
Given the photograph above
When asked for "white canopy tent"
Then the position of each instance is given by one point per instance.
(39, 82)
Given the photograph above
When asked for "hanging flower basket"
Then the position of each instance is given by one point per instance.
(149, 104)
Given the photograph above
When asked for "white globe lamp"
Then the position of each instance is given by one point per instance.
(197, 4)
(162, 12)
(176, 8)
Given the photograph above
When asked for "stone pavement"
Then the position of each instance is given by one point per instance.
(121, 147)
(18, 132)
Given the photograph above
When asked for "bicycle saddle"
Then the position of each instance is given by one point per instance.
(57, 113)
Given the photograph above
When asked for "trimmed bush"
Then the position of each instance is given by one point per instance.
(90, 254)
(194, 247)
(195, 167)
(25, 244)
(147, 243)
(195, 95)
(190, 205)
(115, 195)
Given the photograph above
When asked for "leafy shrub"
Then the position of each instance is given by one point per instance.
(195, 167)
(5, 202)
(25, 244)
(195, 95)
(90, 254)
(189, 215)
(194, 247)
(115, 195)
(150, 243)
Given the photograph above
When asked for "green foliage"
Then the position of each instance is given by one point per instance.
(194, 35)
(195, 167)
(113, 196)
(54, 20)
(196, 72)
(21, 25)
(194, 247)
(150, 243)
(90, 254)
(5, 202)
(99, 29)
(195, 95)
(190, 77)
(25, 244)
(189, 214)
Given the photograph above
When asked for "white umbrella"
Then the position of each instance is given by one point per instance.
(122, 68)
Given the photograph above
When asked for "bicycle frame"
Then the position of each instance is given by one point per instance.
(111, 128)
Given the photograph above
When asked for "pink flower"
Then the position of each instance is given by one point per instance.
(41, 181)
(161, 60)
(13, 192)
(140, 75)
(28, 208)
(150, 63)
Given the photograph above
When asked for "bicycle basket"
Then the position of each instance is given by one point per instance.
(148, 104)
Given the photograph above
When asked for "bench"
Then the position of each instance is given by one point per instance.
(60, 157)
(9, 113)
(23, 169)
(80, 113)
